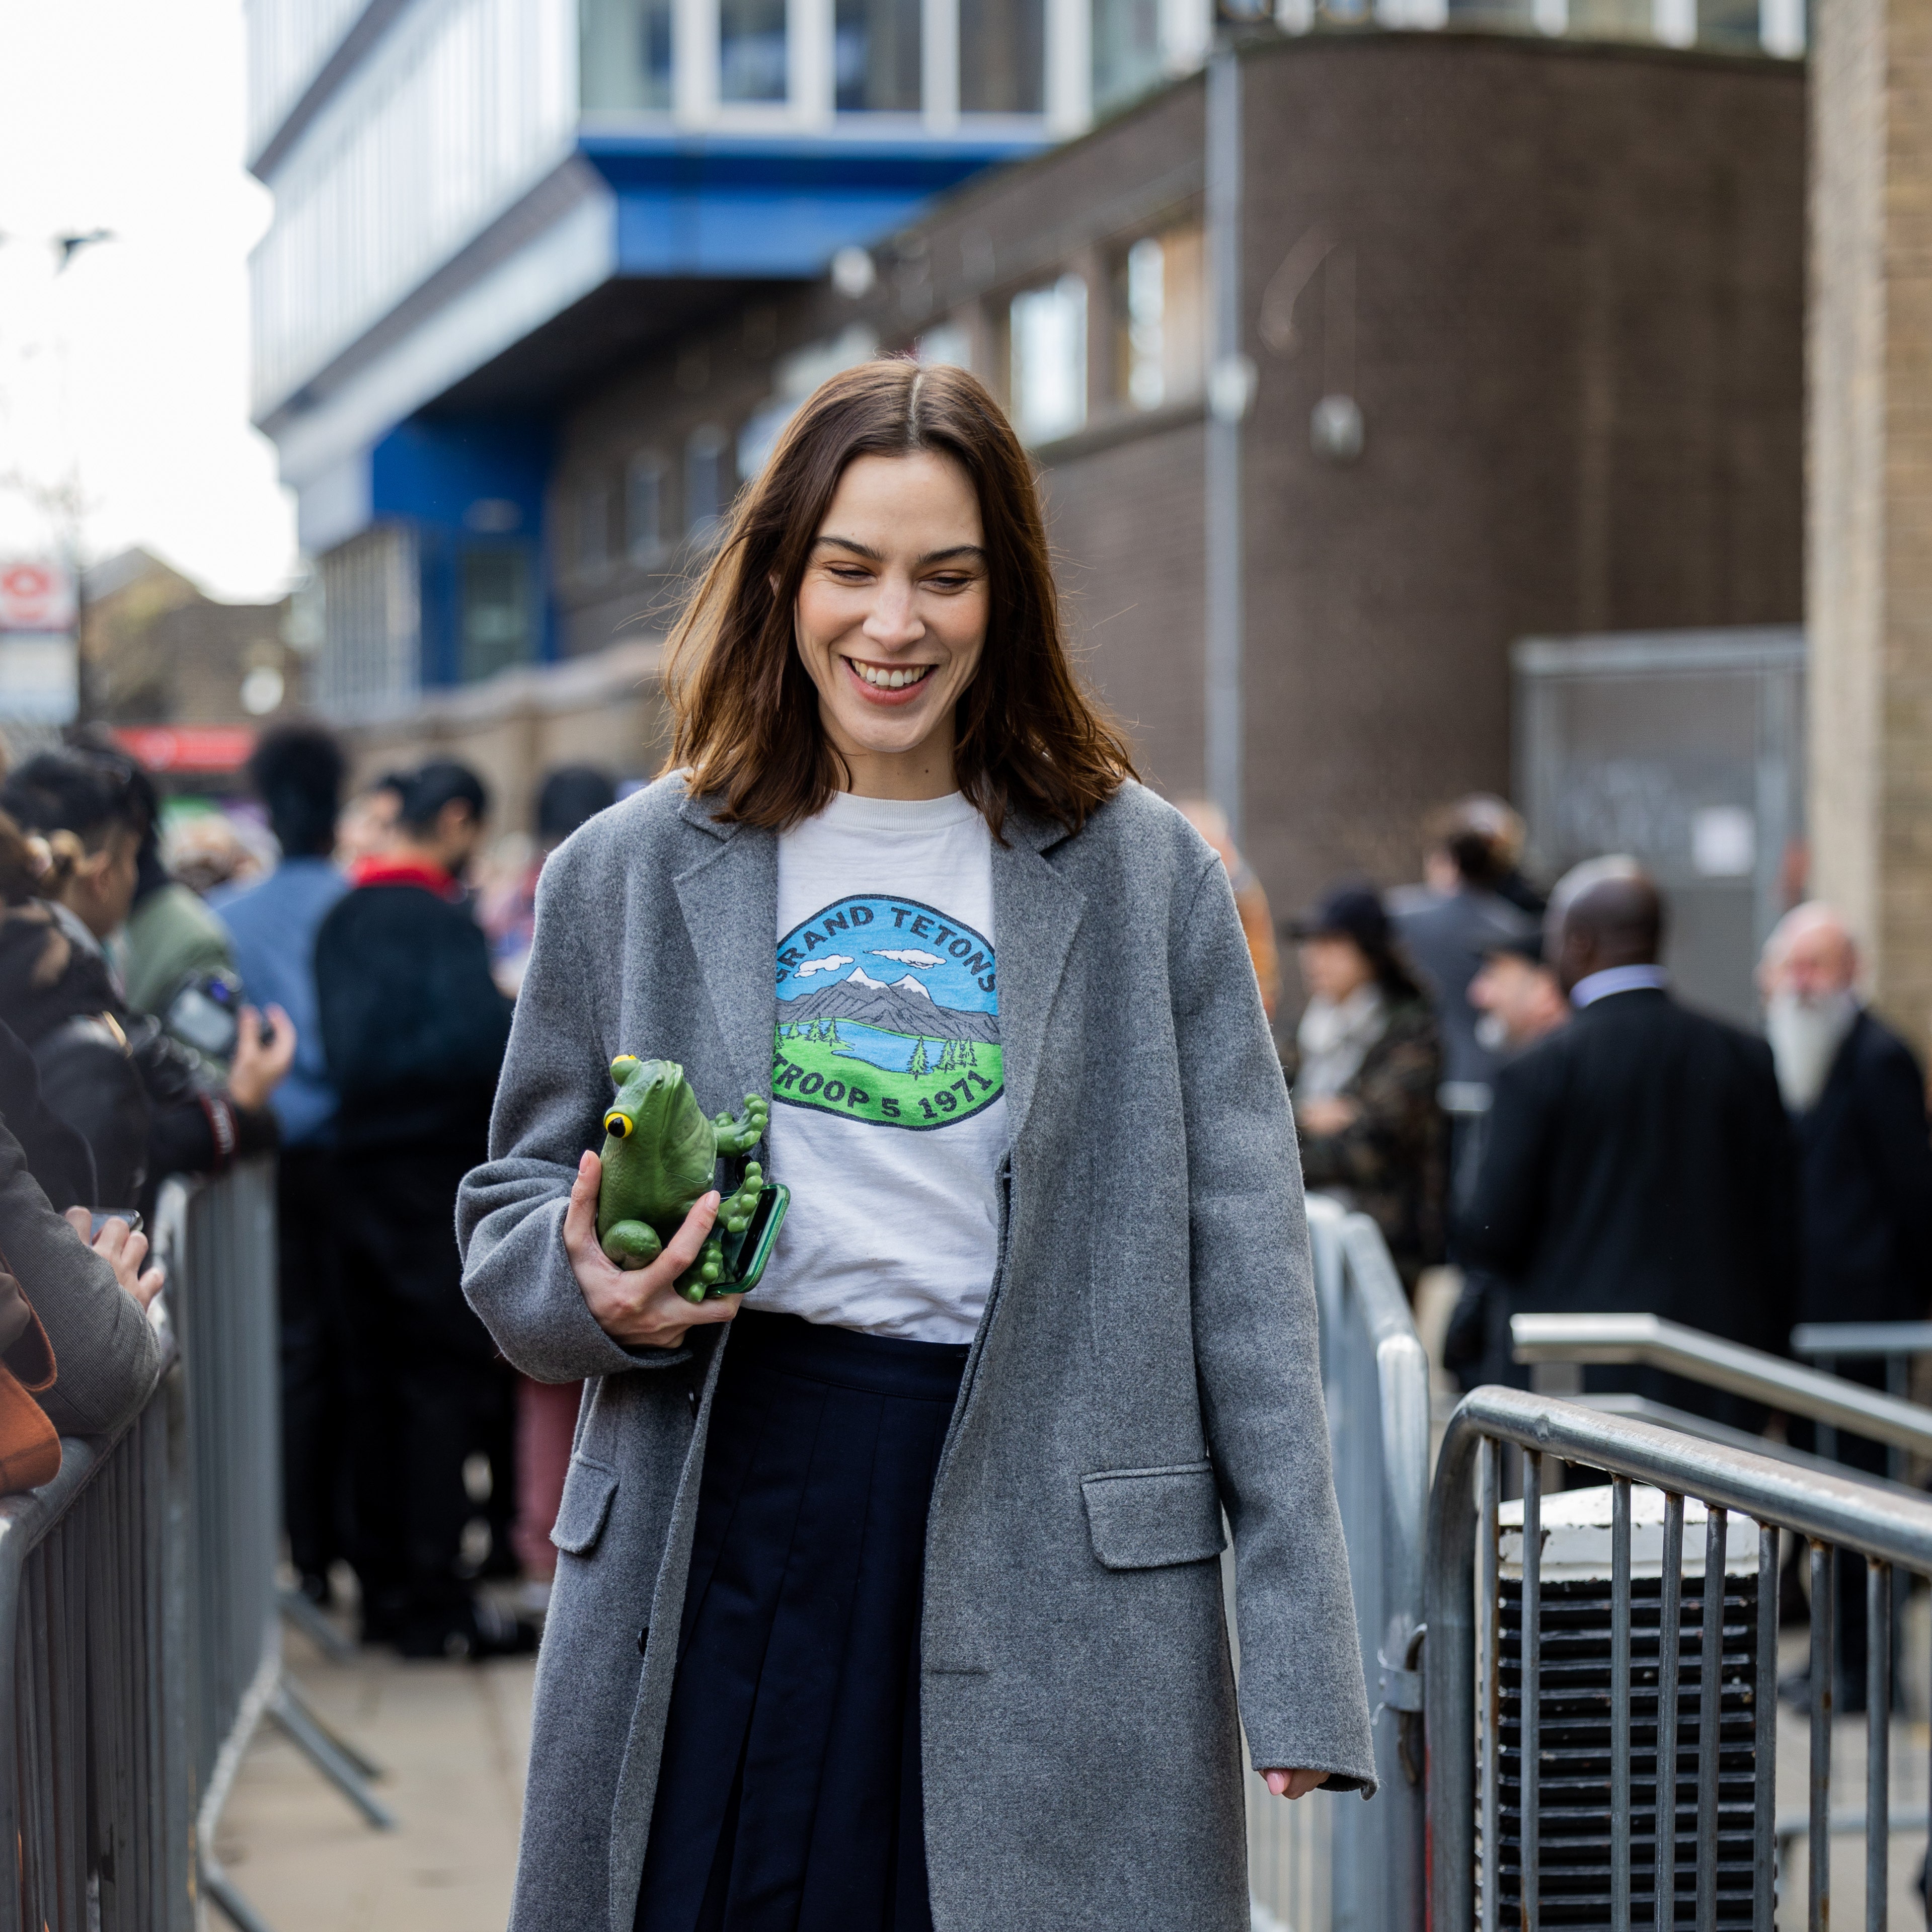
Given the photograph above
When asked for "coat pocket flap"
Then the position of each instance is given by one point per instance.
(1145, 1519)
(587, 1490)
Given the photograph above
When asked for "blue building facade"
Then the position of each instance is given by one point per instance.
(483, 206)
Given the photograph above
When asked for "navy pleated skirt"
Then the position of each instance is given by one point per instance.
(789, 1798)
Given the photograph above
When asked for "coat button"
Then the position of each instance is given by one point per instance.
(691, 1397)
(644, 1638)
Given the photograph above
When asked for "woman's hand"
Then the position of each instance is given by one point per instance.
(639, 1307)
(123, 1251)
(256, 1070)
(1293, 1783)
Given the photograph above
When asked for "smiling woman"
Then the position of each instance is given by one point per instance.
(925, 1532)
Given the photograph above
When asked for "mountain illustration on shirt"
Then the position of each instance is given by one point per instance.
(889, 1012)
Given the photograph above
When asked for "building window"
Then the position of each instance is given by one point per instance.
(703, 483)
(1048, 359)
(625, 52)
(591, 554)
(752, 58)
(644, 508)
(1127, 52)
(1003, 56)
(496, 611)
(876, 55)
(1158, 319)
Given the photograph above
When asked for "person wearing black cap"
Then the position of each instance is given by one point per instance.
(1368, 1060)
(1519, 1001)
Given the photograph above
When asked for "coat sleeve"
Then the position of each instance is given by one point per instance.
(549, 1108)
(1303, 1697)
(1504, 1220)
(106, 1355)
(1892, 1100)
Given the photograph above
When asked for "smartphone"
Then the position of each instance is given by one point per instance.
(745, 1256)
(101, 1216)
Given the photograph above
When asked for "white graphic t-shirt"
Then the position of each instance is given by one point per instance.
(889, 1117)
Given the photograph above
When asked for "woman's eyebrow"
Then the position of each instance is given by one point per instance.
(866, 550)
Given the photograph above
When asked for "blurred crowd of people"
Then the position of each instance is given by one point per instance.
(332, 979)
(1504, 1082)
(1510, 1085)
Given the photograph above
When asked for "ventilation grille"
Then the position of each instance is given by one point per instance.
(1574, 1753)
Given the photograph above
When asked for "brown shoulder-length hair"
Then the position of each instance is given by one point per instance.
(745, 714)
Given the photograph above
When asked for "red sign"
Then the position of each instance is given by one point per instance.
(36, 597)
(187, 747)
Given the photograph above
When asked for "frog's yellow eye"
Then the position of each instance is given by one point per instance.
(617, 1125)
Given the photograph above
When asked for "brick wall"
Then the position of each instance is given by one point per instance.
(1575, 333)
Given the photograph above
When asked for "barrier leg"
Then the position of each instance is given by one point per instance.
(299, 1611)
(347, 1771)
(239, 1913)
(366, 1765)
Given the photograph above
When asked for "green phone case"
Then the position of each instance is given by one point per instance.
(745, 1257)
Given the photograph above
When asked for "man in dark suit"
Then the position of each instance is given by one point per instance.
(1639, 1159)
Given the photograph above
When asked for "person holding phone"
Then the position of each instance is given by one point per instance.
(890, 1597)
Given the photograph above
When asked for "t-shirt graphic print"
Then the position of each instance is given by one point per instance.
(889, 1012)
(889, 1114)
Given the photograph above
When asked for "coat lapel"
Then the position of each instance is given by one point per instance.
(1036, 913)
(728, 896)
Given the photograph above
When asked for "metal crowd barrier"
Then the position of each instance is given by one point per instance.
(1351, 1867)
(1894, 1343)
(1549, 1732)
(140, 1637)
(94, 1830)
(219, 1241)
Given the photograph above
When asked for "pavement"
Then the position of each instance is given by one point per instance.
(452, 1739)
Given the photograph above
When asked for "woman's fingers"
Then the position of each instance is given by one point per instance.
(1293, 1783)
(681, 1250)
(147, 1286)
(580, 1218)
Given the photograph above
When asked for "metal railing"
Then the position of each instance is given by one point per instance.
(1648, 1341)
(94, 1830)
(140, 1636)
(1357, 1867)
(220, 1245)
(1667, 1699)
(1893, 1343)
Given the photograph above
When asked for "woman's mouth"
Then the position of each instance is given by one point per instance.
(888, 684)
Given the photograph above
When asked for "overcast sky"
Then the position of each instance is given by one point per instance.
(130, 370)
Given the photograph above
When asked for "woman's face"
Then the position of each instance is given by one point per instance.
(1332, 966)
(891, 618)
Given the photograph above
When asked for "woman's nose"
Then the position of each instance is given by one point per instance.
(893, 619)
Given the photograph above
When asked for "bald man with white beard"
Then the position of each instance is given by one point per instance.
(1856, 1095)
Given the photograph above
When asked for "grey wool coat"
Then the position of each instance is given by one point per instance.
(1147, 1360)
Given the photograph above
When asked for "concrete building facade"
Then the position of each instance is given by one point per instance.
(1871, 521)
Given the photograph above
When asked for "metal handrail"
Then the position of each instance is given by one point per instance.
(1653, 1342)
(1884, 1526)
(1825, 1339)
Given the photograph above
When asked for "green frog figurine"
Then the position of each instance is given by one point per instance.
(660, 1154)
